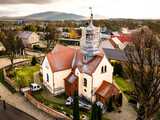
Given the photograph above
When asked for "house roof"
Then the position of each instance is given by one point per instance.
(115, 54)
(71, 78)
(25, 34)
(60, 58)
(107, 90)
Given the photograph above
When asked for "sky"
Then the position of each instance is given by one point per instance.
(138, 9)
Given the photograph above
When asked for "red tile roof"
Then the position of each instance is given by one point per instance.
(71, 78)
(91, 65)
(107, 90)
(123, 37)
(60, 58)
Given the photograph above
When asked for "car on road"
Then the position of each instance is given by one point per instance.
(35, 87)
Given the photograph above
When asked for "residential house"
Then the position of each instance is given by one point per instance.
(29, 38)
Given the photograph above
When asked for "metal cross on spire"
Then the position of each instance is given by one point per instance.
(91, 17)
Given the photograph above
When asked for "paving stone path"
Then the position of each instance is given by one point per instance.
(127, 111)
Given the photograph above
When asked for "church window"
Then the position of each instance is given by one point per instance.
(85, 90)
(47, 77)
(105, 68)
(102, 69)
(85, 82)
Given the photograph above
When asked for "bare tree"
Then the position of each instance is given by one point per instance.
(143, 68)
(51, 36)
(12, 43)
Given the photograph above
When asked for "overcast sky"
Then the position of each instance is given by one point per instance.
(107, 8)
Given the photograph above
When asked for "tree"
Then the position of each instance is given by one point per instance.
(76, 115)
(110, 105)
(51, 36)
(96, 113)
(99, 113)
(31, 27)
(12, 43)
(143, 68)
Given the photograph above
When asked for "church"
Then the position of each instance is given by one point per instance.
(85, 69)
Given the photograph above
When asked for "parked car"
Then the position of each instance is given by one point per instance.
(84, 105)
(69, 101)
(25, 89)
(35, 87)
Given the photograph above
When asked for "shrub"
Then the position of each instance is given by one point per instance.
(110, 107)
(34, 61)
(118, 70)
(120, 100)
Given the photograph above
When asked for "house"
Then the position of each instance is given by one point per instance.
(29, 38)
(86, 70)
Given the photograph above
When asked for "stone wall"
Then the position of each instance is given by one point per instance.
(41, 106)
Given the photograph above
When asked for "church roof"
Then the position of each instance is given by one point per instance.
(62, 58)
(91, 65)
(71, 78)
(107, 90)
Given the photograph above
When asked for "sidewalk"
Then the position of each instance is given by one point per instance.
(21, 103)
(11, 113)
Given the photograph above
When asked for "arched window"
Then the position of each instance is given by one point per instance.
(85, 82)
(102, 69)
(47, 77)
(105, 68)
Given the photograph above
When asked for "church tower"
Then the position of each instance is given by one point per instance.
(90, 40)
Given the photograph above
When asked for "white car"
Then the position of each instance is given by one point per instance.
(69, 101)
(35, 87)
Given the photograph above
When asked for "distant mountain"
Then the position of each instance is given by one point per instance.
(48, 16)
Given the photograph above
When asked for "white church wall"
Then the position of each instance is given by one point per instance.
(59, 80)
(98, 76)
(85, 90)
(47, 70)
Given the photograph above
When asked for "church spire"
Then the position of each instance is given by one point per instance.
(91, 17)
(90, 39)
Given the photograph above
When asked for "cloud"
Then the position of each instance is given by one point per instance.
(6, 13)
(24, 1)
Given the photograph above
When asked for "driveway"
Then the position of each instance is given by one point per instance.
(127, 112)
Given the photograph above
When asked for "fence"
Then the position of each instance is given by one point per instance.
(41, 106)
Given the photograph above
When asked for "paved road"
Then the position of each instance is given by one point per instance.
(5, 61)
(31, 53)
(11, 113)
(21, 103)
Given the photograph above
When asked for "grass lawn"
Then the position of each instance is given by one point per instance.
(124, 84)
(24, 74)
